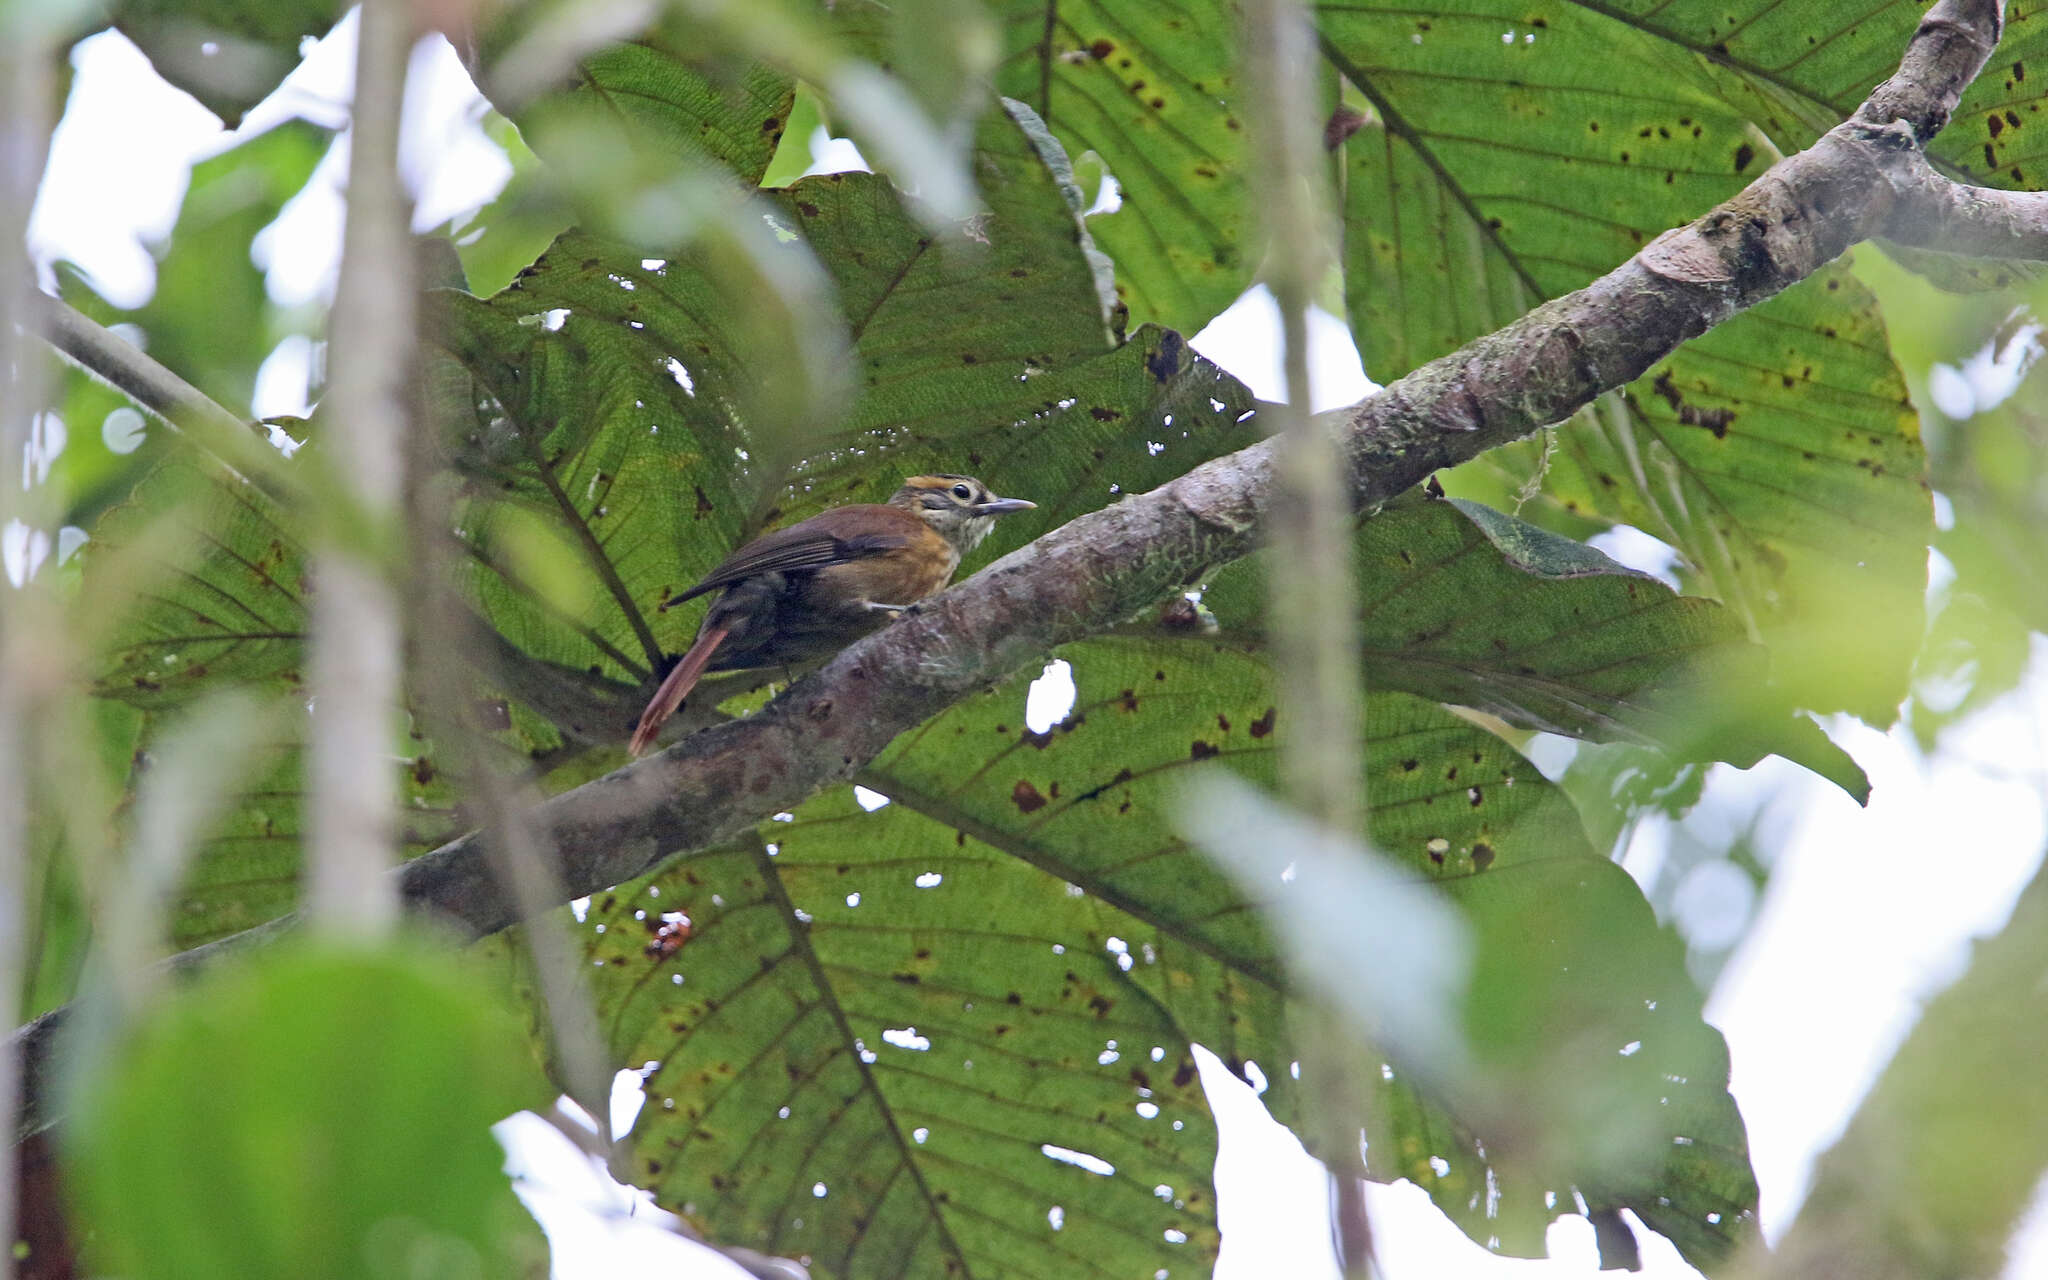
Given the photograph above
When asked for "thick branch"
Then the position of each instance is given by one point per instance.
(1095, 572)
(1946, 52)
(1930, 211)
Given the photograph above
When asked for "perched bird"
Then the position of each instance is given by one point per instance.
(812, 589)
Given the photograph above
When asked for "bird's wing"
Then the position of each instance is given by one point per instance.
(838, 536)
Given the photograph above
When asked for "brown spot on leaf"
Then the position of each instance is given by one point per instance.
(1482, 855)
(1691, 415)
(1026, 797)
(1200, 750)
(1744, 154)
(1264, 724)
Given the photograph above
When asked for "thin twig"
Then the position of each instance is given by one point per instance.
(31, 629)
(1313, 620)
(236, 444)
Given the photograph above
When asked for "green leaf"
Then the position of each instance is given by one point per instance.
(1790, 474)
(1462, 604)
(1988, 140)
(1583, 1013)
(247, 869)
(224, 604)
(325, 1115)
(1022, 902)
(229, 54)
(1570, 1071)
(884, 1083)
(668, 86)
(226, 600)
(1777, 453)
(504, 237)
(1153, 93)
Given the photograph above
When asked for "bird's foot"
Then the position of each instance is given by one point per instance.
(894, 610)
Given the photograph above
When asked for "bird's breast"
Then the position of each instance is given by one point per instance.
(903, 576)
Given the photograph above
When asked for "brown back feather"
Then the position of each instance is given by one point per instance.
(841, 535)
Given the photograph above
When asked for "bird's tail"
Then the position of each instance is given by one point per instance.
(675, 688)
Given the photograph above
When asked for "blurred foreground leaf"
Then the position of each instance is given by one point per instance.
(326, 1114)
(229, 54)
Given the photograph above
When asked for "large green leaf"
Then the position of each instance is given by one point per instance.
(1988, 140)
(1465, 605)
(247, 869)
(1778, 453)
(226, 599)
(324, 1115)
(1152, 90)
(669, 86)
(226, 604)
(886, 1027)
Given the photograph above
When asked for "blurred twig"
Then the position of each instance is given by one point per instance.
(31, 644)
(356, 634)
(446, 629)
(1313, 616)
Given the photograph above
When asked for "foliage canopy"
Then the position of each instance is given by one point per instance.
(890, 1029)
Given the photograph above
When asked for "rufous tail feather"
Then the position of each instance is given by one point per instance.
(675, 688)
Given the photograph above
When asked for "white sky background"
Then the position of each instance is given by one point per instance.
(1868, 911)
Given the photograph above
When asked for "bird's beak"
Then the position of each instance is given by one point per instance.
(1002, 506)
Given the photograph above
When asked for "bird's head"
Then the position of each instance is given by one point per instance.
(959, 509)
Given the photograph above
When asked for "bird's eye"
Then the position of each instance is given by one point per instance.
(962, 492)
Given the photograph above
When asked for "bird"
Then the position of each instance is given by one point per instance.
(811, 589)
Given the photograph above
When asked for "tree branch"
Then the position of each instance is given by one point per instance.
(212, 429)
(1931, 211)
(1100, 569)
